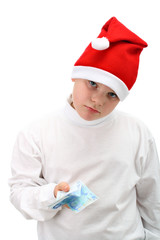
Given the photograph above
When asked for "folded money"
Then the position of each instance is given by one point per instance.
(78, 198)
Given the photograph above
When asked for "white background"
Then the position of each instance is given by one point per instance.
(39, 43)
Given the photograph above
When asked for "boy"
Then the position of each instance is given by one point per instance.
(113, 153)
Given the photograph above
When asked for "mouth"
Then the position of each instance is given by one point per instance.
(92, 109)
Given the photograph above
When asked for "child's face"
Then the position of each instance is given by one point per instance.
(93, 100)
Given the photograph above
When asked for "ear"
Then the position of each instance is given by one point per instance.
(73, 79)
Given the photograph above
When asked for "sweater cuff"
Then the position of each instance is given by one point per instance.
(46, 196)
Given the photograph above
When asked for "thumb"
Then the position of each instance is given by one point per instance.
(63, 186)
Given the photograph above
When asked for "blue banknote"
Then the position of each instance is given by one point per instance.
(78, 198)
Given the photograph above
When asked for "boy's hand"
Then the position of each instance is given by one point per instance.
(62, 186)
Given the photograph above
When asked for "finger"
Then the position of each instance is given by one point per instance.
(65, 205)
(63, 186)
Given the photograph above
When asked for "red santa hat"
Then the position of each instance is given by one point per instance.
(112, 59)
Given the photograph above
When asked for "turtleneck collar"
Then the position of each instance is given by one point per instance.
(72, 115)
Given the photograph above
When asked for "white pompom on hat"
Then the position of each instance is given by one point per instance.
(100, 43)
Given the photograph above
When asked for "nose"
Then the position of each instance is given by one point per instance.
(98, 98)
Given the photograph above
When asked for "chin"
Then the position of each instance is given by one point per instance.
(88, 118)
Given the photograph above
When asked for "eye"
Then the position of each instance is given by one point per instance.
(112, 95)
(93, 84)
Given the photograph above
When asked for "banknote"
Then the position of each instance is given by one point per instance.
(78, 198)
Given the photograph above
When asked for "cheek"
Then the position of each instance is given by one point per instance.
(110, 106)
(113, 105)
(76, 96)
(79, 95)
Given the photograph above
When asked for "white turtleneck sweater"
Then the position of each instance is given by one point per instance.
(114, 156)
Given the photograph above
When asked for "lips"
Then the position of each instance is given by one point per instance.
(92, 109)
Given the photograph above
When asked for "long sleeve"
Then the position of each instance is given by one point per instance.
(30, 192)
(148, 192)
